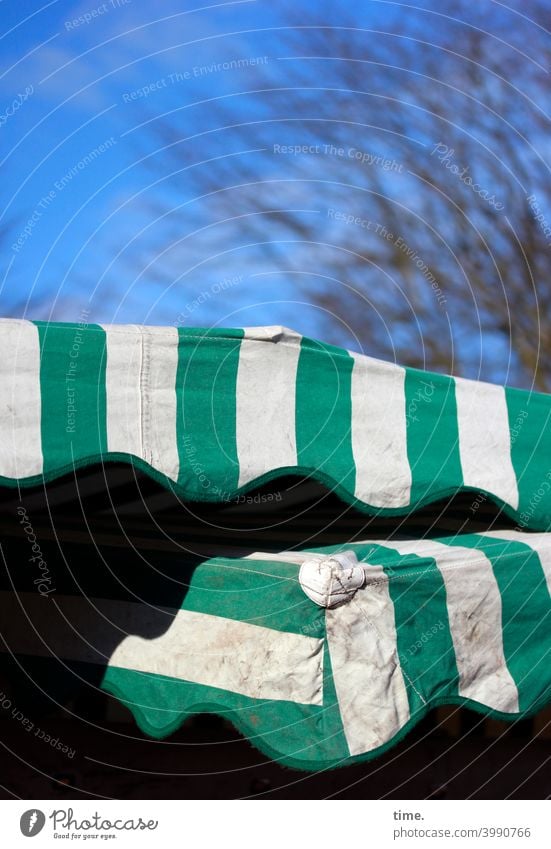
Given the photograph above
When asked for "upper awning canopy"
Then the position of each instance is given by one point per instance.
(214, 413)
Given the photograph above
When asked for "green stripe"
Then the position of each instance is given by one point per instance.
(72, 385)
(526, 615)
(324, 412)
(433, 441)
(530, 427)
(424, 640)
(264, 593)
(287, 732)
(206, 408)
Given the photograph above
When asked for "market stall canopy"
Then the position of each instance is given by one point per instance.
(212, 413)
(321, 656)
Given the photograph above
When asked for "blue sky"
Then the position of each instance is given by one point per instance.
(99, 212)
(82, 116)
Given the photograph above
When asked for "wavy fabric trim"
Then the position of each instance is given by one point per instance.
(459, 620)
(214, 413)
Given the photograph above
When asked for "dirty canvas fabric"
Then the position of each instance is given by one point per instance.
(462, 620)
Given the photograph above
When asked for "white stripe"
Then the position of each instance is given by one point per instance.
(370, 686)
(255, 661)
(20, 404)
(485, 440)
(122, 386)
(295, 557)
(159, 399)
(141, 394)
(379, 433)
(540, 543)
(473, 602)
(258, 662)
(265, 404)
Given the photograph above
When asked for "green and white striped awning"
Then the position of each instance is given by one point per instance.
(215, 412)
(462, 620)
(322, 656)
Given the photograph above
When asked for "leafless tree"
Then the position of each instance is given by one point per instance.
(416, 214)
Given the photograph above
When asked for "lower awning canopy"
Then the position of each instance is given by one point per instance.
(321, 657)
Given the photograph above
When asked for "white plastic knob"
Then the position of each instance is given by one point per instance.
(330, 581)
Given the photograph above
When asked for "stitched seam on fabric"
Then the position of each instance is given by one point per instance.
(319, 688)
(145, 396)
(140, 393)
(397, 656)
(445, 566)
(431, 570)
(218, 339)
(411, 684)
